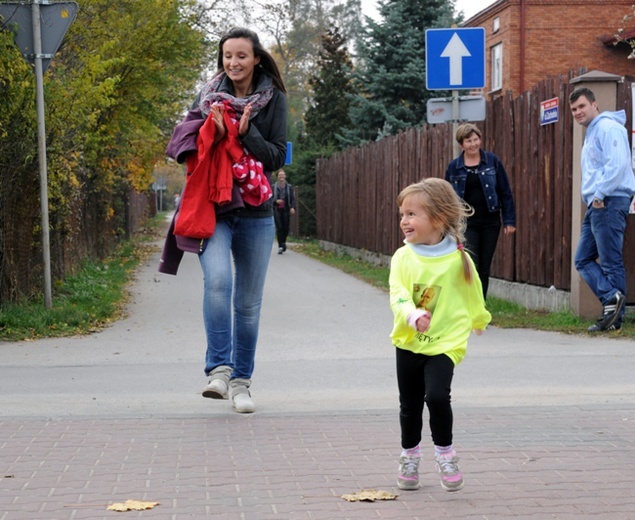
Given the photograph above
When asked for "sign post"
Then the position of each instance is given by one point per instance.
(40, 28)
(455, 59)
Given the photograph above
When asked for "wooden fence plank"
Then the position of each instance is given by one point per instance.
(357, 188)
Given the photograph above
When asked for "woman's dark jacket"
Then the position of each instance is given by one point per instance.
(494, 181)
(266, 140)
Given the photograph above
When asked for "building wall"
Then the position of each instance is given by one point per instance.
(559, 36)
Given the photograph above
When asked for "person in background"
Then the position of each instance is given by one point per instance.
(431, 339)
(237, 126)
(284, 207)
(480, 179)
(607, 188)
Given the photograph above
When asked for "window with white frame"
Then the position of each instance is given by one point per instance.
(497, 67)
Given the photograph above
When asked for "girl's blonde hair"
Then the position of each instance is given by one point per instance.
(445, 210)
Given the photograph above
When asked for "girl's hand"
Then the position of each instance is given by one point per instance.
(218, 109)
(243, 126)
(509, 230)
(423, 323)
(478, 332)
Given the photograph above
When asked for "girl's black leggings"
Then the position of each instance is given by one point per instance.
(424, 379)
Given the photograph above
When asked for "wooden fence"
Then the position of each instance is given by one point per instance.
(357, 188)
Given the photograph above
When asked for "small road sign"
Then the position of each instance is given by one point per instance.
(471, 108)
(289, 157)
(455, 58)
(55, 19)
(549, 111)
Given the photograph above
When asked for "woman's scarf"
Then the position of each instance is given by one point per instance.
(211, 95)
(247, 170)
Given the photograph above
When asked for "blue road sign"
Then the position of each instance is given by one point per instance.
(289, 156)
(455, 58)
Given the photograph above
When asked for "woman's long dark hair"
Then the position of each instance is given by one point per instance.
(266, 60)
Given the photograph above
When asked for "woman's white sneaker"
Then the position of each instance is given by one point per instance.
(218, 386)
(241, 398)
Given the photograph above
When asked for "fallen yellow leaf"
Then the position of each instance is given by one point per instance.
(369, 495)
(132, 505)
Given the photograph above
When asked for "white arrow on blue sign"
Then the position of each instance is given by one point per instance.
(455, 58)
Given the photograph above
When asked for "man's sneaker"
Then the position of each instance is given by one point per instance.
(218, 386)
(448, 467)
(596, 327)
(241, 398)
(408, 477)
(610, 314)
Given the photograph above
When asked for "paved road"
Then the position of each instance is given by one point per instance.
(545, 423)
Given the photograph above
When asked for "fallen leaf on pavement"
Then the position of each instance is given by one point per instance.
(370, 495)
(132, 505)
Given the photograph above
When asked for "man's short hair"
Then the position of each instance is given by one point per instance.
(582, 91)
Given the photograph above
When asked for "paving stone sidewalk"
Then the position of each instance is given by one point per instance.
(544, 423)
(564, 463)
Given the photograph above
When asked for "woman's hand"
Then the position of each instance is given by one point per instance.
(243, 126)
(509, 230)
(218, 109)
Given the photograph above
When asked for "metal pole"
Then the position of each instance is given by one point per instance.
(455, 121)
(39, 94)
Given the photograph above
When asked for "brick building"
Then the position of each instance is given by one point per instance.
(529, 40)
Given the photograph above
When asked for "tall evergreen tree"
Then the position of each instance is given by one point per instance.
(331, 88)
(327, 112)
(391, 69)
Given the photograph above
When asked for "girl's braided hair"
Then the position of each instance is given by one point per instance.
(446, 210)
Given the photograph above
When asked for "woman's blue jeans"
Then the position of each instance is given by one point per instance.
(602, 238)
(233, 296)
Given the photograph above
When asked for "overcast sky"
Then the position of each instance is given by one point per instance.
(469, 7)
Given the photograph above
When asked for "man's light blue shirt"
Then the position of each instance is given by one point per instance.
(606, 158)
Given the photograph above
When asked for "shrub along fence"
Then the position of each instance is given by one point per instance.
(356, 189)
(73, 237)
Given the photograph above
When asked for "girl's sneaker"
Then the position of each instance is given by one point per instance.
(448, 467)
(408, 477)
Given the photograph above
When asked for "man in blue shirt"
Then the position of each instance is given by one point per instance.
(608, 185)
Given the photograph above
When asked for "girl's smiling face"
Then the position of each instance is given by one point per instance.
(416, 224)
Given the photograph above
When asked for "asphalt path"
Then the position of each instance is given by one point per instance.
(324, 347)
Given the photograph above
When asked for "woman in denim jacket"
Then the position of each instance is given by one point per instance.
(479, 178)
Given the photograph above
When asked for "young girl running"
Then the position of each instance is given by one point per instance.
(437, 299)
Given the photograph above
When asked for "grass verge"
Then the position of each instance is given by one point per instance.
(505, 314)
(85, 301)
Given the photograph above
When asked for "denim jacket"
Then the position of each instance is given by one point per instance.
(494, 180)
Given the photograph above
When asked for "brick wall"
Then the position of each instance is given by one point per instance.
(559, 36)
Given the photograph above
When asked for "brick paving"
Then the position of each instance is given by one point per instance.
(558, 463)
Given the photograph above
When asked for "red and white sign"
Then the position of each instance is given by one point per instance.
(549, 111)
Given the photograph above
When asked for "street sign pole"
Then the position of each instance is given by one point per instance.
(41, 132)
(39, 42)
(455, 121)
(455, 60)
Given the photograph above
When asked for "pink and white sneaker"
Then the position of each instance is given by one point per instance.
(448, 467)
